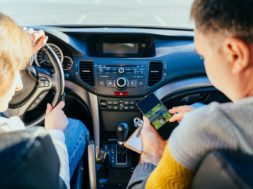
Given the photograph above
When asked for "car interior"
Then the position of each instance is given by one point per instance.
(101, 72)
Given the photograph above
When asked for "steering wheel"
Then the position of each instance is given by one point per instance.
(37, 82)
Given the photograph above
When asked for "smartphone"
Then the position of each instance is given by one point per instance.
(157, 113)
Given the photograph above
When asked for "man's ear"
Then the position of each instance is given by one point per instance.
(237, 54)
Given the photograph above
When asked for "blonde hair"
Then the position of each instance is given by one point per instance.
(15, 51)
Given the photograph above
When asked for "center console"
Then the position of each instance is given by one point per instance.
(120, 85)
(121, 74)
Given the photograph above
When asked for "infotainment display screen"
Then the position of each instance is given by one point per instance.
(120, 48)
(123, 46)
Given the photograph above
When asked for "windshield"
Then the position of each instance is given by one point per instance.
(154, 13)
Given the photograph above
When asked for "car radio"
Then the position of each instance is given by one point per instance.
(120, 79)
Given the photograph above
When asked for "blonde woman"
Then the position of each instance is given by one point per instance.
(16, 48)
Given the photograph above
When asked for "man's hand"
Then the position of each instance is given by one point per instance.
(152, 144)
(56, 118)
(39, 39)
(179, 112)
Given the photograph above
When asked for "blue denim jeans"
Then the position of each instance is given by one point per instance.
(76, 139)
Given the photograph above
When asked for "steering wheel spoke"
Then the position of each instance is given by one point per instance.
(19, 111)
(45, 80)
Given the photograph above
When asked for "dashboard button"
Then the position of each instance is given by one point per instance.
(108, 69)
(121, 70)
(123, 93)
(103, 104)
(133, 83)
(109, 83)
(140, 83)
(131, 107)
(128, 70)
(115, 107)
(46, 83)
(126, 102)
(101, 83)
(109, 107)
(121, 106)
(41, 84)
(109, 102)
(132, 102)
(104, 76)
(115, 102)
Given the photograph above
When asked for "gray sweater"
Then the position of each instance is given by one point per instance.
(216, 126)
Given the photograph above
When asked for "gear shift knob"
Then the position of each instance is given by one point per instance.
(122, 132)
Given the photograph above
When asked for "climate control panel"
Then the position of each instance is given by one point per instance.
(121, 79)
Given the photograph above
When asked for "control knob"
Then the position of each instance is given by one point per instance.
(121, 82)
(121, 70)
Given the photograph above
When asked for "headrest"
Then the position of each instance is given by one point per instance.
(225, 169)
(28, 160)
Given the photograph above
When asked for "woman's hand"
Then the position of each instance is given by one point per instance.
(56, 118)
(38, 38)
(179, 112)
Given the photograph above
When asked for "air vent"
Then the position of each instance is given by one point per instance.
(86, 72)
(155, 73)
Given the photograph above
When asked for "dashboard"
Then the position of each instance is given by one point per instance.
(114, 63)
(120, 66)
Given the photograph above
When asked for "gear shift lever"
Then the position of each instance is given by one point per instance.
(122, 132)
(121, 152)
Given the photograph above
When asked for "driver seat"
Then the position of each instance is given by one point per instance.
(225, 169)
(28, 160)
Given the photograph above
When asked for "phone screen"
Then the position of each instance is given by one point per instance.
(157, 113)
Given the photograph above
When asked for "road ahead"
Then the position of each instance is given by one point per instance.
(99, 12)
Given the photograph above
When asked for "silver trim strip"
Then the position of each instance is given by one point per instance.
(92, 165)
(95, 118)
(182, 85)
(92, 102)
